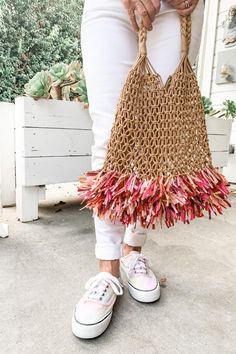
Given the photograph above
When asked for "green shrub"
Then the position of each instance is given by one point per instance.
(34, 36)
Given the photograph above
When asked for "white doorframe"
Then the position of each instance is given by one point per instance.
(3, 227)
(207, 48)
(7, 147)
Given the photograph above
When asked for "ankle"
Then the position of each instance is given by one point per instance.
(110, 266)
(127, 249)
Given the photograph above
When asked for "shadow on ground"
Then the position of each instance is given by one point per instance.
(44, 265)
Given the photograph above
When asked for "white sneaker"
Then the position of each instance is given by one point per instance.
(93, 312)
(142, 283)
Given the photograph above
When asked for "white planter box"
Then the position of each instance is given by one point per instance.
(219, 130)
(53, 145)
(7, 158)
(230, 169)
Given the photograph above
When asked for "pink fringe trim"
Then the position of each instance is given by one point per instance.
(127, 198)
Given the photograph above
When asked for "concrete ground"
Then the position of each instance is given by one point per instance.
(44, 265)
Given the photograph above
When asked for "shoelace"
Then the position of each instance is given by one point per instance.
(99, 284)
(138, 265)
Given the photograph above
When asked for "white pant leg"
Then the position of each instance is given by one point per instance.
(109, 48)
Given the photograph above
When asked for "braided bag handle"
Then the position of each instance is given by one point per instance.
(185, 23)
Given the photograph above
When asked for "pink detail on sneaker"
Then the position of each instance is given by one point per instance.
(99, 298)
(142, 282)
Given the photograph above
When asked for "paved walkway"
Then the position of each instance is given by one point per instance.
(44, 265)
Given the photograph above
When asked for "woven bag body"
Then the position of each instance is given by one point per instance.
(158, 164)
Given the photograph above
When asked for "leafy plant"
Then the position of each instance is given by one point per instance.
(35, 35)
(39, 85)
(62, 82)
(80, 89)
(59, 73)
(228, 110)
(207, 104)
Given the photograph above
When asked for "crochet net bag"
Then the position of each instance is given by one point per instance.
(158, 165)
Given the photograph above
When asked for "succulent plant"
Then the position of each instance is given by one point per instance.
(64, 82)
(207, 104)
(59, 73)
(80, 89)
(74, 71)
(39, 86)
(230, 109)
(65, 92)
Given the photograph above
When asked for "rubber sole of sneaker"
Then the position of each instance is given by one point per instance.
(145, 296)
(89, 331)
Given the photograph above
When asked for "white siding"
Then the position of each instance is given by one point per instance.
(226, 91)
(212, 44)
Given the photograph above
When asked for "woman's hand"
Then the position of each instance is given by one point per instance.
(147, 9)
(184, 7)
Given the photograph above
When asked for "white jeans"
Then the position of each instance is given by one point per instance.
(109, 48)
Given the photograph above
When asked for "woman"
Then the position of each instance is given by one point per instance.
(109, 48)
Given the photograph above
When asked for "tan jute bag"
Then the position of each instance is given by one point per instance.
(158, 164)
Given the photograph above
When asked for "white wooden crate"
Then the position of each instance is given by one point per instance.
(219, 131)
(3, 227)
(53, 142)
(7, 162)
(230, 169)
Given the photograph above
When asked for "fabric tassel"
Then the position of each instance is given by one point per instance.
(127, 198)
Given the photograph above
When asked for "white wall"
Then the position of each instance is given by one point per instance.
(221, 92)
(7, 149)
(212, 43)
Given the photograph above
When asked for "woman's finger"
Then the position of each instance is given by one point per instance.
(142, 11)
(130, 6)
(174, 3)
(133, 20)
(146, 9)
(184, 11)
(183, 5)
(157, 5)
(149, 8)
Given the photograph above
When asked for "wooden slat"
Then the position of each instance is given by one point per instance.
(218, 126)
(220, 159)
(56, 142)
(219, 142)
(68, 169)
(51, 114)
(230, 169)
(50, 170)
